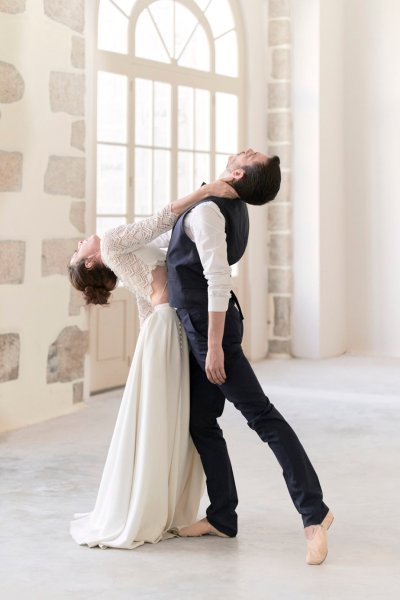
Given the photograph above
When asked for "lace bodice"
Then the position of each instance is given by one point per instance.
(133, 252)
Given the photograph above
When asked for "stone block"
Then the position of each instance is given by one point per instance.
(279, 127)
(12, 85)
(78, 52)
(12, 261)
(281, 316)
(71, 13)
(65, 359)
(77, 394)
(65, 175)
(281, 63)
(12, 7)
(56, 255)
(280, 250)
(76, 301)
(279, 281)
(279, 32)
(9, 356)
(279, 95)
(279, 217)
(284, 151)
(279, 347)
(11, 164)
(78, 132)
(77, 215)
(67, 93)
(284, 194)
(278, 8)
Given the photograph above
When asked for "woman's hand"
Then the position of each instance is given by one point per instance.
(220, 188)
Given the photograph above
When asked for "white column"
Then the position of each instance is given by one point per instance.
(319, 323)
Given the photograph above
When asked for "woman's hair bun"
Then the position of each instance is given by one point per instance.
(96, 295)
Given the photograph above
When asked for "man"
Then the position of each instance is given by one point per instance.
(204, 242)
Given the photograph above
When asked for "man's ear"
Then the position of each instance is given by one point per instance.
(238, 174)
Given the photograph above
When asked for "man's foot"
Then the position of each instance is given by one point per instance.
(317, 541)
(200, 528)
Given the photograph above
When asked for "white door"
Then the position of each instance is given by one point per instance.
(113, 333)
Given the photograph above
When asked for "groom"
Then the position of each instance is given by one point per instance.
(205, 240)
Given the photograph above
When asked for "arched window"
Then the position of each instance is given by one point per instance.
(169, 96)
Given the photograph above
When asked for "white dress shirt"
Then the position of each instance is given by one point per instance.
(205, 226)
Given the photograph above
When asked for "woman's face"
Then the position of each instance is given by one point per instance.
(86, 249)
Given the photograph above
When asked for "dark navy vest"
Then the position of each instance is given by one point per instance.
(187, 286)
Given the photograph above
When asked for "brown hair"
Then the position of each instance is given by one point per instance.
(95, 283)
(260, 183)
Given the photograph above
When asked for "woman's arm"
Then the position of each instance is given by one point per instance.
(219, 188)
(128, 238)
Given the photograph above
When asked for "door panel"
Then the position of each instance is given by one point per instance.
(113, 333)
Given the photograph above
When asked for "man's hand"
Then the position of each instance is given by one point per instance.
(215, 369)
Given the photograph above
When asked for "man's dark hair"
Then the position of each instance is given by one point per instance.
(260, 183)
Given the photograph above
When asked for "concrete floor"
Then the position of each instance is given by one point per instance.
(346, 413)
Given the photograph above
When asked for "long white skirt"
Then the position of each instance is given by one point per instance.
(153, 479)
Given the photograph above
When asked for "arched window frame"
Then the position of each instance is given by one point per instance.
(133, 67)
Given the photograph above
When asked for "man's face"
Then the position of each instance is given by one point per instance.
(244, 159)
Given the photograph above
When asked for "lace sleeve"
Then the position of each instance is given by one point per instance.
(144, 309)
(128, 238)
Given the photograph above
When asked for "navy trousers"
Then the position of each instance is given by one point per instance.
(244, 390)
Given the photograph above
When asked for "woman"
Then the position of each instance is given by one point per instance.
(152, 480)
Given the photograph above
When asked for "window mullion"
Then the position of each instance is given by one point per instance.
(174, 142)
(130, 208)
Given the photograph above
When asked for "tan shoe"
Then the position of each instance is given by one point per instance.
(200, 528)
(317, 541)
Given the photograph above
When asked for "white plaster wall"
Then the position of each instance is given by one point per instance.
(346, 95)
(332, 201)
(37, 309)
(372, 151)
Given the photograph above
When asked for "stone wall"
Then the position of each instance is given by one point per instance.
(279, 211)
(43, 329)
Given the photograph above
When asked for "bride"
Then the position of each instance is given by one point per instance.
(153, 479)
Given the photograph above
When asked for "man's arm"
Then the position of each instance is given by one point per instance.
(205, 225)
(215, 368)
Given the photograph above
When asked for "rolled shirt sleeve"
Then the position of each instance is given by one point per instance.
(205, 226)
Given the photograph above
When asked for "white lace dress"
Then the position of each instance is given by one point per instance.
(153, 479)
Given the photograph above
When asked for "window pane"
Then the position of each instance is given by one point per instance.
(185, 22)
(163, 14)
(220, 17)
(113, 28)
(226, 55)
(202, 119)
(148, 43)
(185, 117)
(111, 179)
(220, 163)
(125, 5)
(196, 55)
(112, 107)
(143, 181)
(105, 223)
(162, 178)
(185, 173)
(144, 111)
(226, 121)
(201, 169)
(162, 114)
